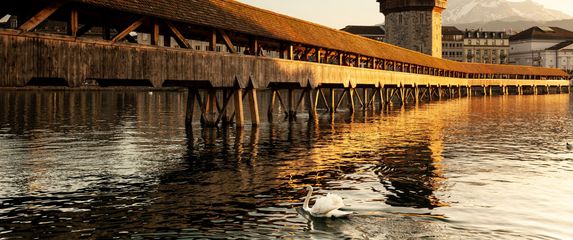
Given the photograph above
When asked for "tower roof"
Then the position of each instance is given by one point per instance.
(365, 30)
(388, 6)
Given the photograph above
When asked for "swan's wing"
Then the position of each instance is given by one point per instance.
(338, 214)
(336, 200)
(324, 205)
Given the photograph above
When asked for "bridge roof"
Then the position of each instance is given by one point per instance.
(238, 17)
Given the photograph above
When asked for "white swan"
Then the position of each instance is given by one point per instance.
(325, 206)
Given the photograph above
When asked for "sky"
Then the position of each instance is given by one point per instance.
(339, 13)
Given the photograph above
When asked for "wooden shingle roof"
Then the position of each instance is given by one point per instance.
(238, 17)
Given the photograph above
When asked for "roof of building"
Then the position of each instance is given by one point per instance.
(239, 17)
(561, 45)
(365, 30)
(451, 30)
(544, 33)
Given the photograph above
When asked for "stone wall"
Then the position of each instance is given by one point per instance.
(420, 31)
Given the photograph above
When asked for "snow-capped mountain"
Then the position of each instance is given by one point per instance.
(470, 11)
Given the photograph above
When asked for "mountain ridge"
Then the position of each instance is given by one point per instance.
(475, 11)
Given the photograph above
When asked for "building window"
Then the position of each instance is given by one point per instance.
(400, 19)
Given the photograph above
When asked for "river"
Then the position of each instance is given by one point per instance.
(120, 164)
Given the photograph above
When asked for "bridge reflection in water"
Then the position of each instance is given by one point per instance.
(111, 162)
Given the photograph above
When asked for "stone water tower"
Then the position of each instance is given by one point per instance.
(415, 24)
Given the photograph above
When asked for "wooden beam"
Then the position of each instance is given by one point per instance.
(227, 41)
(128, 29)
(155, 33)
(213, 41)
(181, 40)
(41, 16)
(73, 24)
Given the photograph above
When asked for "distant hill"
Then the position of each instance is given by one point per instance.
(474, 11)
(517, 26)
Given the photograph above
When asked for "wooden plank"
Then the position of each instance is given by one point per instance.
(129, 29)
(181, 40)
(41, 16)
(227, 41)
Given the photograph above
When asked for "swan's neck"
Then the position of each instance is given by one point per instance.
(307, 200)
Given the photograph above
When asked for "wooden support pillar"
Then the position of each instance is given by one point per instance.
(332, 101)
(469, 90)
(272, 102)
(382, 96)
(254, 47)
(291, 104)
(210, 106)
(365, 99)
(73, 24)
(155, 33)
(351, 104)
(213, 41)
(228, 108)
(430, 93)
(191, 96)
(239, 113)
(254, 107)
(491, 90)
(402, 94)
(417, 93)
(311, 103)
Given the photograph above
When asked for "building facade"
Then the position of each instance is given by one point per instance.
(377, 33)
(550, 47)
(452, 44)
(414, 24)
(486, 47)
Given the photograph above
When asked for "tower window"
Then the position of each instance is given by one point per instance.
(400, 19)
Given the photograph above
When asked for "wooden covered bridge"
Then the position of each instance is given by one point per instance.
(224, 51)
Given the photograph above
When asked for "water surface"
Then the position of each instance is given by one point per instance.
(121, 164)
